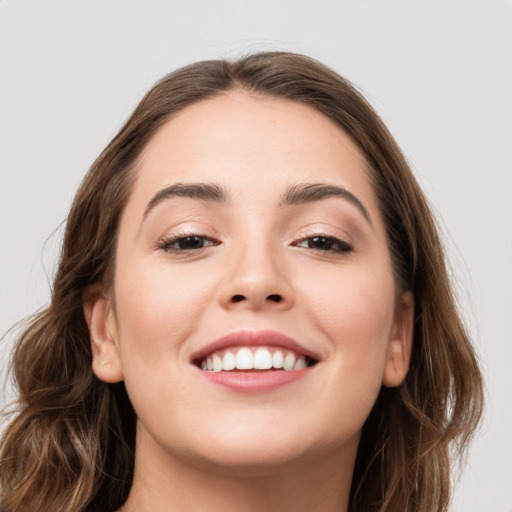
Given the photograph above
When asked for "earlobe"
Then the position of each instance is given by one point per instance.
(400, 344)
(100, 318)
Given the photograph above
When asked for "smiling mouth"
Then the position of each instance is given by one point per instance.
(254, 359)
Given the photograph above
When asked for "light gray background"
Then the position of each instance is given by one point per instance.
(439, 73)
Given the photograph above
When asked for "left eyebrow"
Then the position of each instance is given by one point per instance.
(309, 192)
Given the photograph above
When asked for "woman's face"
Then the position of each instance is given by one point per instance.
(252, 239)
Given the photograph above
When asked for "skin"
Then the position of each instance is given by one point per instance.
(204, 447)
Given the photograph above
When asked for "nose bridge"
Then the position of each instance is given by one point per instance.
(257, 276)
(256, 263)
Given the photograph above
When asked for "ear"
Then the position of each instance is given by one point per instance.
(100, 318)
(400, 344)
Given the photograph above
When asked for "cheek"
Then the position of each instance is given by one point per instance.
(358, 322)
(157, 310)
(358, 299)
(157, 307)
(354, 309)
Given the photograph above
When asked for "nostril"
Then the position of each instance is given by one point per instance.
(275, 297)
(237, 298)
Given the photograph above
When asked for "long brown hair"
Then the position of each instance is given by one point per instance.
(70, 444)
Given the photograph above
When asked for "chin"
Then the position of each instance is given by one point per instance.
(251, 459)
(264, 448)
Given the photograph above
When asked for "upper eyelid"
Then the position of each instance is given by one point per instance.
(328, 234)
(184, 231)
(337, 239)
(213, 234)
(322, 235)
(165, 243)
(178, 236)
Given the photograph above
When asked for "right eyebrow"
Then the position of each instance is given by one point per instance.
(202, 191)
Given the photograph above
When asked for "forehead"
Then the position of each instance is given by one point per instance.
(252, 142)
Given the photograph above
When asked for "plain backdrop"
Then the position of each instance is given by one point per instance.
(439, 72)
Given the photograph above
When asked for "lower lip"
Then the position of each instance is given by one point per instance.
(255, 382)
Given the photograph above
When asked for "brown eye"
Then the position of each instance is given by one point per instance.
(320, 242)
(186, 243)
(191, 242)
(324, 244)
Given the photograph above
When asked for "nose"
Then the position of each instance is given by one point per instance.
(257, 280)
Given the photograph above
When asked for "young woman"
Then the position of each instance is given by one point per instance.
(251, 312)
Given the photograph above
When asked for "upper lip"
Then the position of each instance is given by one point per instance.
(265, 338)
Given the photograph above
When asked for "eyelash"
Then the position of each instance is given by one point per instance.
(336, 245)
(166, 243)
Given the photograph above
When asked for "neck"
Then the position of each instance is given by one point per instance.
(319, 484)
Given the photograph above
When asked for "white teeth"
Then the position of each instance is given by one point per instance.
(228, 361)
(299, 364)
(262, 359)
(217, 363)
(244, 359)
(289, 361)
(277, 359)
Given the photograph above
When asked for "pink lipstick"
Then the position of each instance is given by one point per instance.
(254, 361)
